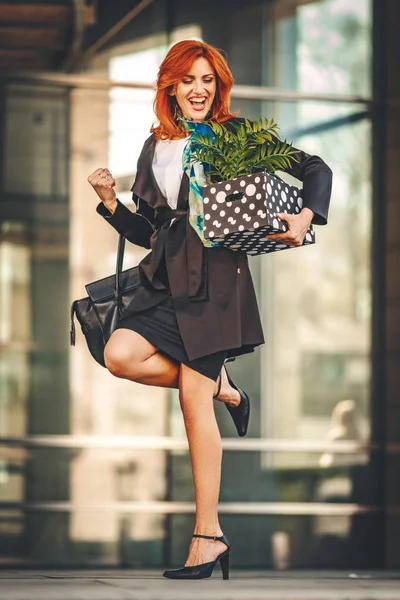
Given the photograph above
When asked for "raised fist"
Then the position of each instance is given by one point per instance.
(103, 184)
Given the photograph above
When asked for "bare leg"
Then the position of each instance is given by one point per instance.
(196, 398)
(130, 356)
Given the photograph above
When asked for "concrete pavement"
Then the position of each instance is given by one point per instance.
(243, 585)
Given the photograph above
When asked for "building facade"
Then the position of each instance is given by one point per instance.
(95, 471)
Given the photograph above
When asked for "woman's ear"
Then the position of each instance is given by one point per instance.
(171, 91)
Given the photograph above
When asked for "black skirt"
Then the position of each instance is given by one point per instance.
(159, 326)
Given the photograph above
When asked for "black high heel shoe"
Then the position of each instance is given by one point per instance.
(205, 569)
(241, 413)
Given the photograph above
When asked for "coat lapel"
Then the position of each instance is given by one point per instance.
(183, 194)
(145, 185)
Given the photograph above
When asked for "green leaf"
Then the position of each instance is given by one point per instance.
(234, 150)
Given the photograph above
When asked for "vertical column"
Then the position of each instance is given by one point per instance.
(35, 202)
(388, 20)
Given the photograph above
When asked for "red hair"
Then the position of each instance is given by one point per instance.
(173, 68)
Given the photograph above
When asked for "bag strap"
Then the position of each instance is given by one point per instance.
(72, 325)
(118, 268)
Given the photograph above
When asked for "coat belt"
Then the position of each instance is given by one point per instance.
(165, 215)
(196, 257)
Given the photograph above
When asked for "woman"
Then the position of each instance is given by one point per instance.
(196, 306)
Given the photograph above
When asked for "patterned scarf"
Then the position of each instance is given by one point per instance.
(197, 179)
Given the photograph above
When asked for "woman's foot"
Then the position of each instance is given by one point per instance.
(203, 551)
(224, 392)
(203, 557)
(236, 401)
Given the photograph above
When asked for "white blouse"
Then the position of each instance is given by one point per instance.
(167, 168)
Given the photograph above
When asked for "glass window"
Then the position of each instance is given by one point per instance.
(309, 384)
(326, 30)
(317, 305)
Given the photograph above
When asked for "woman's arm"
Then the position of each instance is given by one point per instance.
(135, 227)
(317, 184)
(316, 194)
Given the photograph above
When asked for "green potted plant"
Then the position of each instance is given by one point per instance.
(242, 195)
(236, 149)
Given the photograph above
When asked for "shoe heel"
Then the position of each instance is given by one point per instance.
(224, 561)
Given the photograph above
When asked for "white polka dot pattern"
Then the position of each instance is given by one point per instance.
(239, 214)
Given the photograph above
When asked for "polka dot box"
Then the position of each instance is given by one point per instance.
(239, 213)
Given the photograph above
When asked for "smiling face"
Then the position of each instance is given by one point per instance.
(195, 92)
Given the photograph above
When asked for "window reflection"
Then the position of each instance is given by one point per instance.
(316, 303)
(321, 34)
(15, 340)
(325, 32)
(131, 110)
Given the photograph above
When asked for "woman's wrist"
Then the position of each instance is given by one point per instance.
(111, 206)
(307, 212)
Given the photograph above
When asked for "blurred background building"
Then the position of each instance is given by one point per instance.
(95, 470)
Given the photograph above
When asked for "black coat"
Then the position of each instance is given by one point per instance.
(212, 289)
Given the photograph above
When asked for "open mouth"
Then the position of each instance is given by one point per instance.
(198, 103)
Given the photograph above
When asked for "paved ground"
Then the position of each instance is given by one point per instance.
(243, 585)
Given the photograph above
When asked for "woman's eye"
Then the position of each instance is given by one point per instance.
(189, 81)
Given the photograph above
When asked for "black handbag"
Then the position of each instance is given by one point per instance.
(99, 312)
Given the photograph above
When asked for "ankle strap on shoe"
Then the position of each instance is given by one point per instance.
(208, 537)
(219, 385)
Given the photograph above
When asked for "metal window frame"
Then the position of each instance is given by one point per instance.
(249, 92)
(175, 508)
(176, 443)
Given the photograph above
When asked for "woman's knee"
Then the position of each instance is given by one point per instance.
(195, 394)
(116, 360)
(121, 362)
(124, 354)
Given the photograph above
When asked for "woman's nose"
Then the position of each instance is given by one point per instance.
(198, 86)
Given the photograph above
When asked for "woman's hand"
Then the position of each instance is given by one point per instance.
(103, 184)
(298, 225)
